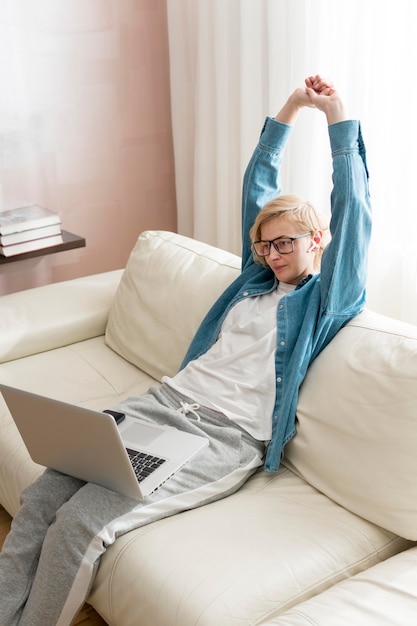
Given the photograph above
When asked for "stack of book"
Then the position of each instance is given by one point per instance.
(29, 228)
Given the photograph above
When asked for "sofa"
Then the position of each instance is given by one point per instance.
(328, 540)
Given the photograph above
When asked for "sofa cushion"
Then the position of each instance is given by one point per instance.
(151, 325)
(262, 550)
(356, 435)
(383, 595)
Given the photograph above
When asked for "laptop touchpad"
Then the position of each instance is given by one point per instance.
(141, 433)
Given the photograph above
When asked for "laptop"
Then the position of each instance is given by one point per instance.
(90, 445)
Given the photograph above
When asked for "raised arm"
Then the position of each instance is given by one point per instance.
(344, 262)
(261, 182)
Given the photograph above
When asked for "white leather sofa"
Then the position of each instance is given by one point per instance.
(328, 540)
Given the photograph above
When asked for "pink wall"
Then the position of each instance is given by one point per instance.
(85, 128)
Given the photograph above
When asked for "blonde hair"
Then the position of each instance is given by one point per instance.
(301, 212)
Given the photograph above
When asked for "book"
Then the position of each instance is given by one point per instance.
(30, 246)
(26, 218)
(29, 235)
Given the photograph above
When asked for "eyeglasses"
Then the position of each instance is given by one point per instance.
(283, 245)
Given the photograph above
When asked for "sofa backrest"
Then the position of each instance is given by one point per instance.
(169, 284)
(357, 423)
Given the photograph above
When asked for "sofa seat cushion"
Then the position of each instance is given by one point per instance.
(356, 433)
(384, 595)
(87, 373)
(169, 284)
(243, 559)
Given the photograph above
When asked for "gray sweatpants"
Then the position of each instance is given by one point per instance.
(64, 525)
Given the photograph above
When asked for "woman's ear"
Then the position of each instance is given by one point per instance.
(315, 244)
(317, 238)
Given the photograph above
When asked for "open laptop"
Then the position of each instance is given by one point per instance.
(89, 445)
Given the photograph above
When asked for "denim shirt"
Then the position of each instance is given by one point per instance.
(310, 316)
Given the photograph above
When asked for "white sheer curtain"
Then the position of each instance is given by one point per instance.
(235, 61)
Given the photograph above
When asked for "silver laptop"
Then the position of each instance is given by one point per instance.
(90, 445)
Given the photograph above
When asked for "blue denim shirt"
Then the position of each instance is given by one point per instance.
(310, 316)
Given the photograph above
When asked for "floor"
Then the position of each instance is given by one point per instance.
(87, 616)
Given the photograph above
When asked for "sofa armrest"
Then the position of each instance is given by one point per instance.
(52, 316)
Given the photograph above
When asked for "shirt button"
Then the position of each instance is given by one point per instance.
(282, 343)
(279, 379)
(281, 306)
(246, 293)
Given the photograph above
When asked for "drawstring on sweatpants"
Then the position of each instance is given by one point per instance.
(186, 408)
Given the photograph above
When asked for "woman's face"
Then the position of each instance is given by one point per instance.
(292, 267)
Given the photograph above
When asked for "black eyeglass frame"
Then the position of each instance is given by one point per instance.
(275, 243)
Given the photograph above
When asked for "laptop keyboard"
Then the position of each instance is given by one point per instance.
(143, 464)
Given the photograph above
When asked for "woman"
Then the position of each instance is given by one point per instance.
(238, 384)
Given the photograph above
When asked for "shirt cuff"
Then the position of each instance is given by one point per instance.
(344, 136)
(274, 135)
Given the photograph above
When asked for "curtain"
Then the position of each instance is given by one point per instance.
(233, 62)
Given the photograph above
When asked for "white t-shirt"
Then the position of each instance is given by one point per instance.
(236, 376)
